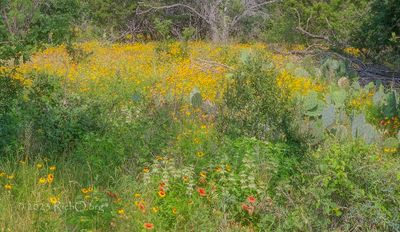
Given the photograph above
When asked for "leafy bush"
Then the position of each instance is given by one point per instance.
(381, 30)
(10, 93)
(27, 25)
(254, 104)
(351, 185)
(55, 119)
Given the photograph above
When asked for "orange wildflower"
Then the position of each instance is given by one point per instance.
(162, 193)
(202, 192)
(251, 199)
(148, 226)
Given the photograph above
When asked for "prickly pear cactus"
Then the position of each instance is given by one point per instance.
(339, 97)
(328, 116)
(332, 68)
(361, 129)
(195, 98)
(379, 96)
(312, 105)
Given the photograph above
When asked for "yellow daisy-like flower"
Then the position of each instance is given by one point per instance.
(200, 154)
(218, 169)
(53, 168)
(50, 178)
(121, 211)
(2, 174)
(159, 158)
(53, 200)
(185, 178)
(155, 209)
(146, 170)
(84, 190)
(161, 193)
(203, 174)
(8, 186)
(203, 127)
(174, 211)
(90, 189)
(390, 150)
(137, 195)
(39, 165)
(10, 177)
(42, 180)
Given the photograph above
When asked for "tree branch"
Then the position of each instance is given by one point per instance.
(155, 8)
(250, 9)
(307, 33)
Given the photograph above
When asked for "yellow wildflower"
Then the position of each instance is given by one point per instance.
(121, 211)
(42, 180)
(53, 200)
(203, 174)
(200, 154)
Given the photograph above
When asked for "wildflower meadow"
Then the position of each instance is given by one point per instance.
(197, 116)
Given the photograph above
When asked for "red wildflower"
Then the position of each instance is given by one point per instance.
(202, 192)
(148, 226)
(142, 207)
(248, 208)
(251, 199)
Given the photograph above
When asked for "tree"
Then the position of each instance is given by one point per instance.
(315, 21)
(220, 16)
(380, 32)
(26, 24)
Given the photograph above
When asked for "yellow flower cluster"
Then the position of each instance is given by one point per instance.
(297, 85)
(390, 150)
(353, 51)
(364, 99)
(140, 64)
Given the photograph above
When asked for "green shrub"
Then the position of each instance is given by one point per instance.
(35, 23)
(380, 31)
(10, 93)
(54, 118)
(254, 104)
(351, 185)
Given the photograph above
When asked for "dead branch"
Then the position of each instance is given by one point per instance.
(156, 8)
(251, 9)
(307, 33)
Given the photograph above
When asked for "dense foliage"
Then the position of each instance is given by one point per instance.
(26, 25)
(122, 116)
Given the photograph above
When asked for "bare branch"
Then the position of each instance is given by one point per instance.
(249, 10)
(305, 32)
(155, 8)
